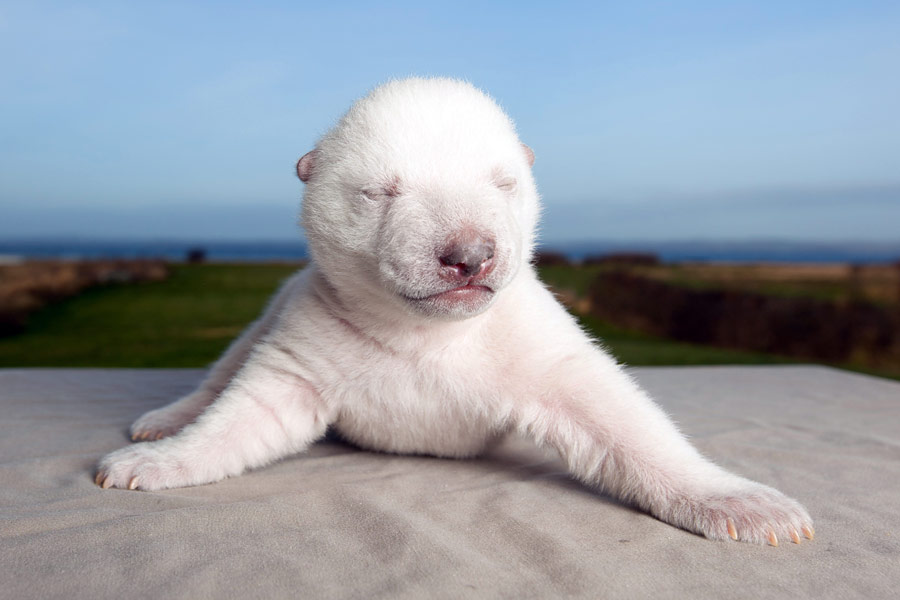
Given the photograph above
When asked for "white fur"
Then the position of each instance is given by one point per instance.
(365, 341)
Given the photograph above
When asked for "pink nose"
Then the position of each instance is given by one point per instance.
(467, 255)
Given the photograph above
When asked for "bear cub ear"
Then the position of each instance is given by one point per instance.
(529, 155)
(306, 165)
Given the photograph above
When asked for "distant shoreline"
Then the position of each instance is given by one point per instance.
(287, 250)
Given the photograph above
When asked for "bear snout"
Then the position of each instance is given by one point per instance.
(467, 255)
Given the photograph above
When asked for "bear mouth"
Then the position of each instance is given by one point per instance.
(471, 296)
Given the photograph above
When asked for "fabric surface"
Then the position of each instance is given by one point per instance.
(337, 522)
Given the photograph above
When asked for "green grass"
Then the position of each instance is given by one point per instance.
(189, 319)
(184, 321)
(566, 277)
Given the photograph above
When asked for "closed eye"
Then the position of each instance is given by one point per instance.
(506, 184)
(502, 180)
(381, 192)
(375, 194)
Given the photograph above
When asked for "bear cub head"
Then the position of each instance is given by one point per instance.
(421, 199)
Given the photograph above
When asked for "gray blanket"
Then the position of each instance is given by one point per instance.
(338, 522)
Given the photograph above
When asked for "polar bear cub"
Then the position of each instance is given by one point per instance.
(420, 326)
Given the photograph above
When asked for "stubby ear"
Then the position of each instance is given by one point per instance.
(529, 155)
(306, 165)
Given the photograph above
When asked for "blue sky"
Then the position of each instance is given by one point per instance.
(650, 120)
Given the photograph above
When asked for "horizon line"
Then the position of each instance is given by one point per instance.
(299, 240)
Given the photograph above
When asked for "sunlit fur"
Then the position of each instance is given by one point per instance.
(346, 342)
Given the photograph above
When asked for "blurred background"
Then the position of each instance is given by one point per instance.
(721, 180)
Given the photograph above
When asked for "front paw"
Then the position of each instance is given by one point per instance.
(142, 467)
(749, 512)
(168, 420)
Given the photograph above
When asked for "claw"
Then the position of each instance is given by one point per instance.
(107, 483)
(808, 531)
(773, 539)
(98, 478)
(133, 483)
(159, 436)
(145, 436)
(794, 536)
(731, 529)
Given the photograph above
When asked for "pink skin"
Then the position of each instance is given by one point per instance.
(469, 298)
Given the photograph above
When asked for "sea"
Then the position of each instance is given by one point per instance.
(780, 251)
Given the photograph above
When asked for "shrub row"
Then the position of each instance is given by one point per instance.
(793, 326)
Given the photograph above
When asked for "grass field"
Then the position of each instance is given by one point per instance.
(635, 348)
(188, 319)
(875, 283)
(184, 321)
